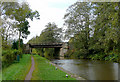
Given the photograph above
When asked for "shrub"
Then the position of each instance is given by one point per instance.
(68, 54)
(48, 53)
(112, 56)
(8, 56)
(34, 52)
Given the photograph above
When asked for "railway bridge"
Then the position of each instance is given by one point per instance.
(62, 48)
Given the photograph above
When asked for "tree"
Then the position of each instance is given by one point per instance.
(20, 13)
(93, 28)
(6, 31)
(77, 21)
(15, 44)
(51, 34)
(106, 26)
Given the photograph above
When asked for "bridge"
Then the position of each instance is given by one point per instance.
(47, 45)
(61, 47)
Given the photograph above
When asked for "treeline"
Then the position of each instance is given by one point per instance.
(93, 30)
(51, 34)
(14, 17)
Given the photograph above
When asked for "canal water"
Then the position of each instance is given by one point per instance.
(91, 70)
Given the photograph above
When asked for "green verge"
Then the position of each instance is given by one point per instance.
(17, 71)
(45, 71)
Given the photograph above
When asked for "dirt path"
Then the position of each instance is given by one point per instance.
(29, 75)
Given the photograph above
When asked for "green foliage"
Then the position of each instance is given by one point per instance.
(9, 56)
(19, 13)
(95, 30)
(68, 54)
(34, 52)
(112, 56)
(15, 44)
(51, 34)
(40, 51)
(49, 52)
(98, 56)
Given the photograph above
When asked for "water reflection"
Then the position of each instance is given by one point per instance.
(91, 70)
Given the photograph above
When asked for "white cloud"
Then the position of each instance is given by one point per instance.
(50, 11)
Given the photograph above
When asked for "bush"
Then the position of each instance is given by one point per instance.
(112, 56)
(8, 56)
(34, 52)
(48, 53)
(68, 53)
(99, 56)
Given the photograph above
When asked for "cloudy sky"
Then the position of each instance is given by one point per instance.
(50, 11)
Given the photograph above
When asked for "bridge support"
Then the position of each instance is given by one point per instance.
(64, 49)
(28, 49)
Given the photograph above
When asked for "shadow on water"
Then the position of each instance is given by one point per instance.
(91, 70)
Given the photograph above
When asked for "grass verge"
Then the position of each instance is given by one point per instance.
(17, 71)
(46, 71)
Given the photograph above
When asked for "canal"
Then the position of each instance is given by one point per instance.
(91, 70)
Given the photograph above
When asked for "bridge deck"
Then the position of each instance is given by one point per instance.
(53, 45)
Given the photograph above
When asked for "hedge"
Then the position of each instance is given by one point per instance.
(9, 56)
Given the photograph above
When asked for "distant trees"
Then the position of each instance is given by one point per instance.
(51, 34)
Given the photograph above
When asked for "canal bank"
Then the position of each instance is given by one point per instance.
(68, 72)
(46, 71)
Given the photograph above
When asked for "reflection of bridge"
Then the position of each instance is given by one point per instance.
(61, 47)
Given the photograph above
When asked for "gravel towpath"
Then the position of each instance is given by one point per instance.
(29, 75)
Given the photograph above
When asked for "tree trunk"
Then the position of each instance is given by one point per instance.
(19, 40)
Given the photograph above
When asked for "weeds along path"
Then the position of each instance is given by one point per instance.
(29, 75)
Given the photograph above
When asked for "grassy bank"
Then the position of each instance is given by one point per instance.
(45, 71)
(17, 71)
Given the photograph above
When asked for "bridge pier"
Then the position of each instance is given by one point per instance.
(64, 49)
(28, 49)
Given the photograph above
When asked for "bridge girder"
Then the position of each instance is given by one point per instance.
(46, 45)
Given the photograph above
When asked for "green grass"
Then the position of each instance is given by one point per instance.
(17, 71)
(0, 76)
(45, 71)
